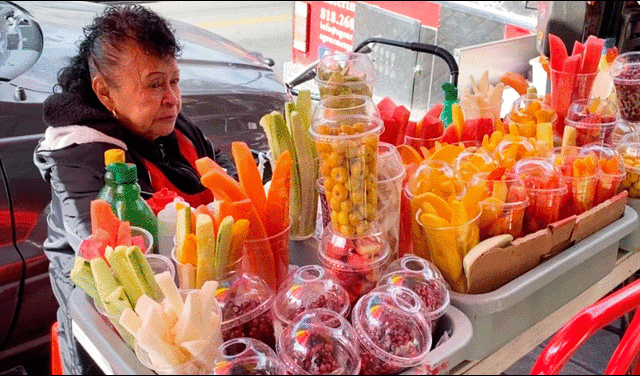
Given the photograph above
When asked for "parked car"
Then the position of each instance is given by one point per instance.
(225, 90)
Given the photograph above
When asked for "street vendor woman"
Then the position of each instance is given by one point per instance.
(120, 91)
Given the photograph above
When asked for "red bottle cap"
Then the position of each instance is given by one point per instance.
(160, 199)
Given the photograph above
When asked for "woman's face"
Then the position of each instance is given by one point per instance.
(144, 92)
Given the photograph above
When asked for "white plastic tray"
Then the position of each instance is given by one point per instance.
(501, 315)
(631, 242)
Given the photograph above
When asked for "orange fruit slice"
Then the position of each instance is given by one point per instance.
(438, 203)
(447, 154)
(409, 155)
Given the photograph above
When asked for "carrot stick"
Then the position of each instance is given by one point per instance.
(277, 209)
(222, 183)
(249, 175)
(205, 165)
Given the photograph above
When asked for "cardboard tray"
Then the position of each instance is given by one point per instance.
(501, 265)
(501, 315)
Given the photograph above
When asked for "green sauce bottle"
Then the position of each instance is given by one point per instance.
(129, 206)
(112, 158)
(450, 97)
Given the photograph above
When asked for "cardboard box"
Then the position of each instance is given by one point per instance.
(501, 265)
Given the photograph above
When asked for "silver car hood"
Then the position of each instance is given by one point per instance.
(208, 63)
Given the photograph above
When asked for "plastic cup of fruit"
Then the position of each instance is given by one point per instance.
(419, 142)
(488, 111)
(391, 173)
(630, 152)
(547, 191)
(582, 190)
(625, 72)
(509, 151)
(355, 263)
(146, 235)
(347, 148)
(612, 171)
(345, 73)
(246, 302)
(435, 177)
(527, 112)
(413, 264)
(279, 244)
(319, 342)
(247, 356)
(590, 126)
(306, 288)
(324, 204)
(392, 329)
(567, 88)
(498, 216)
(198, 363)
(472, 161)
(447, 247)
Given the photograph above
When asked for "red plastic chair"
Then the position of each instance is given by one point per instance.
(590, 320)
(56, 362)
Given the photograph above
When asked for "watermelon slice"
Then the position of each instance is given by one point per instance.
(557, 51)
(470, 130)
(102, 217)
(124, 234)
(578, 48)
(592, 54)
(431, 127)
(450, 136)
(411, 129)
(91, 248)
(386, 108)
(401, 115)
(485, 127)
(436, 110)
(391, 130)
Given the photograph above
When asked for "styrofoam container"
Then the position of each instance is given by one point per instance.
(503, 314)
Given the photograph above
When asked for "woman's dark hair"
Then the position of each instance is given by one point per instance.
(103, 41)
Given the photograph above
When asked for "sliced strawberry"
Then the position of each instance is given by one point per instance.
(338, 248)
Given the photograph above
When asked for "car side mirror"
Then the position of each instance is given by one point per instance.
(21, 41)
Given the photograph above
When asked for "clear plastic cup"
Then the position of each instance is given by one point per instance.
(355, 263)
(547, 191)
(472, 161)
(431, 177)
(413, 264)
(324, 204)
(146, 235)
(307, 288)
(567, 88)
(186, 273)
(503, 206)
(625, 72)
(510, 151)
(433, 292)
(246, 302)
(319, 342)
(279, 244)
(581, 189)
(197, 360)
(247, 356)
(489, 111)
(342, 106)
(391, 174)
(345, 73)
(392, 329)
(611, 168)
(418, 143)
(161, 264)
(593, 119)
(527, 112)
(347, 147)
(630, 152)
(448, 245)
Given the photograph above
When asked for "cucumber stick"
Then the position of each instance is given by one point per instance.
(308, 200)
(223, 247)
(281, 140)
(82, 277)
(119, 261)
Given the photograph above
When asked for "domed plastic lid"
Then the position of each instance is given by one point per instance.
(474, 160)
(433, 292)
(307, 288)
(594, 111)
(609, 160)
(352, 67)
(540, 175)
(242, 297)
(319, 342)
(508, 191)
(247, 356)
(437, 177)
(510, 151)
(391, 323)
(412, 264)
(390, 167)
(567, 158)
